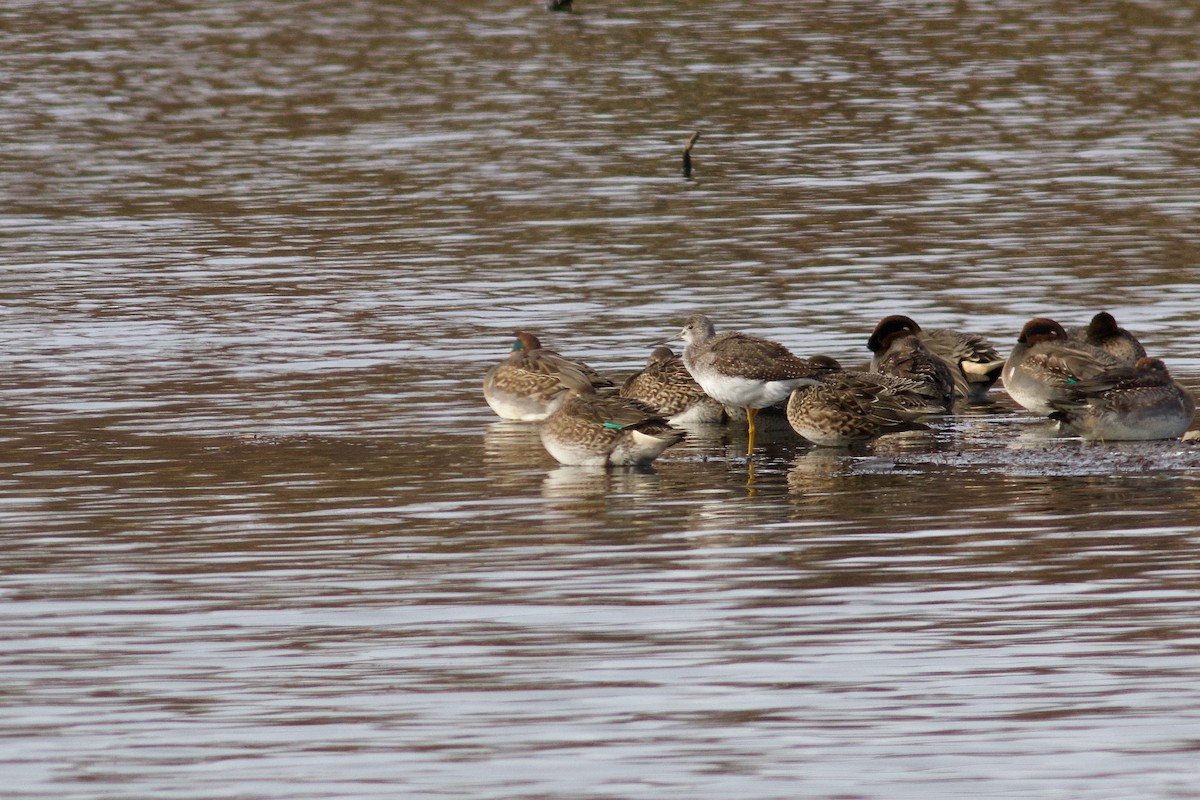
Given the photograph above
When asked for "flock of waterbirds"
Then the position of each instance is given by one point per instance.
(1096, 381)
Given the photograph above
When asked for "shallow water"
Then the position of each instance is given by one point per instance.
(263, 539)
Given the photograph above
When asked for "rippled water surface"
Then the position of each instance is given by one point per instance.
(263, 539)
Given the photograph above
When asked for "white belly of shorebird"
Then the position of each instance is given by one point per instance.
(747, 393)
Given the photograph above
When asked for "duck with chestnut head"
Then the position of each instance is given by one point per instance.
(1045, 364)
(1104, 332)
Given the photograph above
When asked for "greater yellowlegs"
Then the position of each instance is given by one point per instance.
(740, 370)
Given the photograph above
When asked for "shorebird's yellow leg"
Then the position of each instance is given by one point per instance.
(751, 413)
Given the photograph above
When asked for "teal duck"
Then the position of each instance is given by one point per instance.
(1104, 332)
(1138, 402)
(665, 384)
(974, 362)
(918, 395)
(848, 407)
(1045, 364)
(606, 430)
(533, 382)
(897, 349)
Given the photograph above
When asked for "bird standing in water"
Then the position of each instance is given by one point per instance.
(897, 349)
(741, 370)
(974, 362)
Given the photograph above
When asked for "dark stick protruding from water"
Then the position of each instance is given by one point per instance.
(558, 5)
(687, 154)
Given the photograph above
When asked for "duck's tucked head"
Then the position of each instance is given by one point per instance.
(901, 343)
(525, 341)
(886, 331)
(660, 354)
(1147, 364)
(825, 364)
(696, 329)
(1040, 329)
(1103, 326)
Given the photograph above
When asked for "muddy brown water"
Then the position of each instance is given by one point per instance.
(263, 539)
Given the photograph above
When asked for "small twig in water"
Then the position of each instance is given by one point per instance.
(687, 154)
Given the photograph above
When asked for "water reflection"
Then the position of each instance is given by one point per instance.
(509, 446)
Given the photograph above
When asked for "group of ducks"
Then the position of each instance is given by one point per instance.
(1096, 381)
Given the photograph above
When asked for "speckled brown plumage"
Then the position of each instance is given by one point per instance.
(532, 382)
(740, 370)
(852, 411)
(919, 396)
(901, 353)
(596, 430)
(666, 385)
